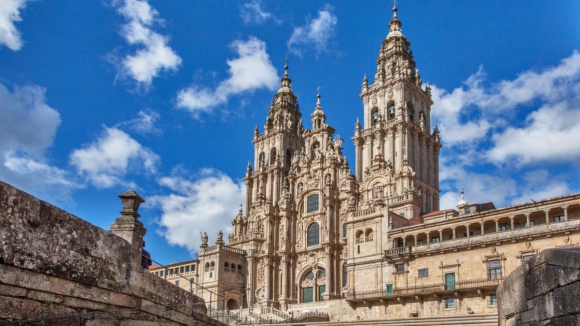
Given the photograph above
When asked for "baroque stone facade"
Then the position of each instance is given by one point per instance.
(374, 245)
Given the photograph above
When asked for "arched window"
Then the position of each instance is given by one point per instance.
(206, 267)
(312, 235)
(391, 110)
(240, 269)
(226, 267)
(368, 235)
(312, 203)
(344, 230)
(410, 111)
(288, 158)
(374, 116)
(360, 237)
(344, 275)
(309, 276)
(273, 156)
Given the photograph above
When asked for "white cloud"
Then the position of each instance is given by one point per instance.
(9, 14)
(27, 129)
(207, 203)
(464, 114)
(252, 70)
(315, 34)
(106, 161)
(154, 55)
(27, 123)
(144, 124)
(252, 13)
(550, 134)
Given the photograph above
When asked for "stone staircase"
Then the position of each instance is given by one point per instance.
(468, 320)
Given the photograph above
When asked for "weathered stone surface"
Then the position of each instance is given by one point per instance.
(54, 265)
(543, 291)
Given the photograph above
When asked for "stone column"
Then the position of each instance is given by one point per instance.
(565, 213)
(547, 216)
(482, 228)
(497, 226)
(129, 228)
(268, 277)
(467, 227)
(512, 222)
(527, 220)
(454, 236)
(329, 271)
(284, 277)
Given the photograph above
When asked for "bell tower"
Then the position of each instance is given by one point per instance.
(396, 129)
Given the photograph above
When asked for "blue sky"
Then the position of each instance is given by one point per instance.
(163, 96)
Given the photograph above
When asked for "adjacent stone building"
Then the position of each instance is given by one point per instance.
(374, 244)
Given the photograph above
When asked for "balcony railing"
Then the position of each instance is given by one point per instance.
(425, 289)
(498, 236)
(398, 251)
(364, 212)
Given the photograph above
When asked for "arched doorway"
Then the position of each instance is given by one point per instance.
(232, 304)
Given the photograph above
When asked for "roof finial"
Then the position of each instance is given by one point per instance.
(286, 65)
(394, 8)
(318, 96)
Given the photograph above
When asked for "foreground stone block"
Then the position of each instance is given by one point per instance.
(543, 291)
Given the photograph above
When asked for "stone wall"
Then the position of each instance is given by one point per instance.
(61, 270)
(543, 291)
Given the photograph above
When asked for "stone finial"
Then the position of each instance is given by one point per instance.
(204, 239)
(131, 202)
(220, 238)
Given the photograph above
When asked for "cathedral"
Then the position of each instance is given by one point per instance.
(373, 245)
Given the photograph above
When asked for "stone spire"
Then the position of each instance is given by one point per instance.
(318, 117)
(395, 25)
(285, 81)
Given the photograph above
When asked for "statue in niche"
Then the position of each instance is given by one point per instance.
(299, 189)
(204, 239)
(351, 201)
(377, 191)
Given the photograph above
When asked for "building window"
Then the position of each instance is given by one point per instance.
(558, 218)
(161, 273)
(226, 267)
(532, 223)
(210, 274)
(411, 114)
(344, 275)
(308, 295)
(424, 272)
(526, 257)
(467, 210)
(449, 303)
(493, 299)
(193, 268)
(206, 267)
(494, 269)
(171, 271)
(400, 267)
(420, 242)
(181, 269)
(389, 289)
(177, 282)
(344, 230)
(502, 227)
(435, 240)
(391, 111)
(375, 116)
(465, 234)
(240, 269)
(312, 203)
(312, 234)
(187, 269)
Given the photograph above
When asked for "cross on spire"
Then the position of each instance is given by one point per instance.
(286, 58)
(318, 90)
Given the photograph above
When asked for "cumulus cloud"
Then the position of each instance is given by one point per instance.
(154, 55)
(105, 162)
(205, 203)
(143, 124)
(252, 13)
(490, 129)
(464, 114)
(252, 70)
(27, 129)
(9, 14)
(316, 34)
